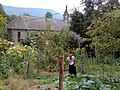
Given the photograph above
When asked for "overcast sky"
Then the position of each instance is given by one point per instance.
(56, 5)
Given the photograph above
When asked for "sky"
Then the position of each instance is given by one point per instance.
(56, 5)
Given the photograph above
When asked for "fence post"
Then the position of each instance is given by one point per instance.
(28, 70)
(61, 71)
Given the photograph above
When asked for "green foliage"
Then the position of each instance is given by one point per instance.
(85, 82)
(4, 67)
(49, 46)
(113, 5)
(2, 12)
(89, 14)
(2, 20)
(26, 14)
(105, 33)
(4, 44)
(15, 60)
(89, 9)
(1, 88)
(4, 63)
(48, 15)
(76, 24)
(93, 74)
(26, 41)
(73, 43)
(95, 9)
(11, 17)
(2, 26)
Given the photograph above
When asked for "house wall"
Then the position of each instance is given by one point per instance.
(23, 34)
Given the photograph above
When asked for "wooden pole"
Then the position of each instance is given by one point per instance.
(28, 70)
(61, 71)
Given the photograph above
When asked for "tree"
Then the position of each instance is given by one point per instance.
(2, 27)
(76, 23)
(48, 15)
(50, 46)
(2, 12)
(26, 14)
(90, 13)
(95, 9)
(105, 33)
(10, 17)
(72, 41)
(112, 5)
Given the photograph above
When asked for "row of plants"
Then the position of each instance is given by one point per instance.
(87, 82)
(15, 60)
(93, 74)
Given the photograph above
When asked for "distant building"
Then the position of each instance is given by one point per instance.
(20, 26)
(24, 24)
(66, 15)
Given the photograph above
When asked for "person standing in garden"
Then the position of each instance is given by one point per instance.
(72, 67)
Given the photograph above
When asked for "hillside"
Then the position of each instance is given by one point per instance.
(32, 11)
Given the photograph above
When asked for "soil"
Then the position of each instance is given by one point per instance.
(41, 87)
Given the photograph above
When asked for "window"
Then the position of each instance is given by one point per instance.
(19, 34)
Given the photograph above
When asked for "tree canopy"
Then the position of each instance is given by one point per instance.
(105, 33)
(2, 12)
(10, 17)
(48, 15)
(2, 26)
(76, 24)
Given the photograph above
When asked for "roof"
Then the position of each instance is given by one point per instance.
(36, 23)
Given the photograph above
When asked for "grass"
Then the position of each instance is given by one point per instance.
(17, 83)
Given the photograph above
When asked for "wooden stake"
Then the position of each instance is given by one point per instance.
(61, 71)
(28, 70)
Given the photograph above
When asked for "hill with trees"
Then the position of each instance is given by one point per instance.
(31, 11)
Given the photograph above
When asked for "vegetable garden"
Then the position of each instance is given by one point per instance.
(35, 61)
(31, 62)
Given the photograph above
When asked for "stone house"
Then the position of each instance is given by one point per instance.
(22, 25)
